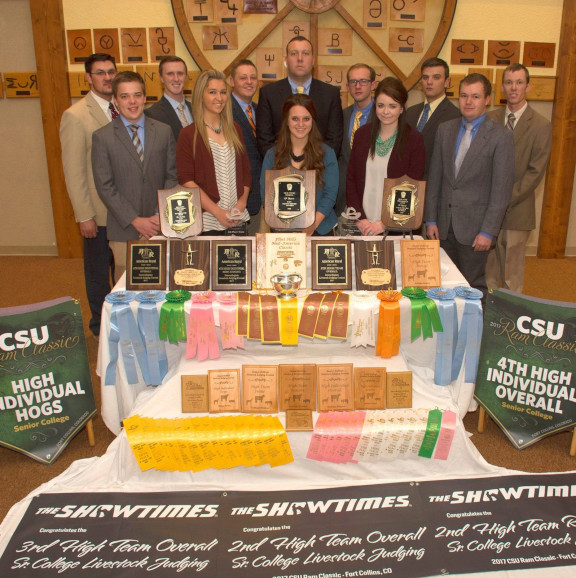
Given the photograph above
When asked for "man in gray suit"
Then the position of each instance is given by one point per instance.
(436, 109)
(532, 144)
(470, 182)
(78, 123)
(172, 109)
(132, 158)
(361, 81)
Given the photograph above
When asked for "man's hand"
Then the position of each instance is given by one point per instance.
(147, 226)
(88, 229)
(481, 243)
(432, 232)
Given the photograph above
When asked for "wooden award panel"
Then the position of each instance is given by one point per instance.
(503, 52)
(146, 265)
(107, 40)
(224, 390)
(194, 393)
(189, 265)
(375, 265)
(335, 387)
(260, 388)
(134, 49)
(79, 45)
(421, 263)
(161, 42)
(467, 52)
(539, 54)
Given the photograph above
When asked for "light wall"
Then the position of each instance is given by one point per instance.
(24, 192)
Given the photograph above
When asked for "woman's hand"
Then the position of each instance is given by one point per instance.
(369, 229)
(223, 217)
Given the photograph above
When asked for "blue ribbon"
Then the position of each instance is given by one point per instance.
(148, 322)
(470, 334)
(124, 335)
(445, 340)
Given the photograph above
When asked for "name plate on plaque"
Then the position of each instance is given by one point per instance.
(232, 265)
(180, 212)
(331, 264)
(146, 265)
(290, 198)
(403, 203)
(375, 265)
(190, 265)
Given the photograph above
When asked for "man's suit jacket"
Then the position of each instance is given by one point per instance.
(532, 144)
(445, 111)
(128, 186)
(343, 160)
(477, 198)
(253, 204)
(76, 128)
(328, 104)
(164, 112)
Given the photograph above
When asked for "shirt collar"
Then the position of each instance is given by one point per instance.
(517, 114)
(243, 104)
(175, 104)
(435, 104)
(366, 110)
(295, 85)
(139, 122)
(475, 123)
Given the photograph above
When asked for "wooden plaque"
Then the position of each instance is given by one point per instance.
(161, 42)
(224, 390)
(106, 40)
(334, 75)
(297, 386)
(227, 12)
(190, 265)
(291, 28)
(408, 11)
(194, 393)
(280, 253)
(232, 265)
(375, 19)
(154, 88)
(223, 37)
(421, 263)
(21, 85)
(146, 265)
(331, 264)
(134, 45)
(335, 387)
(503, 52)
(370, 387)
(79, 45)
(539, 54)
(260, 388)
(180, 212)
(453, 90)
(398, 389)
(406, 40)
(289, 192)
(375, 265)
(199, 11)
(79, 87)
(269, 62)
(467, 52)
(299, 420)
(335, 41)
(403, 203)
(489, 73)
(260, 6)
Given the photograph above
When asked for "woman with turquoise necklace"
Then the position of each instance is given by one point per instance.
(384, 148)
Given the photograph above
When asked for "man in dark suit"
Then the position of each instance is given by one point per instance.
(299, 63)
(532, 144)
(436, 109)
(470, 182)
(132, 157)
(244, 83)
(361, 81)
(172, 109)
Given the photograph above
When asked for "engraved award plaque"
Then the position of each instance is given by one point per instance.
(224, 390)
(403, 203)
(280, 253)
(260, 388)
(421, 263)
(335, 387)
(194, 393)
(375, 265)
(190, 265)
(331, 265)
(146, 265)
(232, 265)
(398, 389)
(290, 199)
(370, 387)
(298, 386)
(180, 212)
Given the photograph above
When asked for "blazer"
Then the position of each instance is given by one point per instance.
(198, 165)
(445, 111)
(76, 128)
(411, 163)
(328, 105)
(343, 160)
(477, 198)
(128, 186)
(532, 144)
(164, 112)
(254, 158)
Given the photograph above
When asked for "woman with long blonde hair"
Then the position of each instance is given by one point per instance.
(211, 155)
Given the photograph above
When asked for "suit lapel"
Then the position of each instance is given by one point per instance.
(478, 144)
(96, 110)
(523, 125)
(150, 141)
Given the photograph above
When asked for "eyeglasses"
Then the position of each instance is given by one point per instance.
(103, 73)
(361, 82)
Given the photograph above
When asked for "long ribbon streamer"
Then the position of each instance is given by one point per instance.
(445, 340)
(469, 335)
(227, 313)
(425, 317)
(388, 341)
(431, 435)
(202, 340)
(172, 317)
(362, 332)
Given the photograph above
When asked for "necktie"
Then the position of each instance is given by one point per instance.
(251, 119)
(300, 89)
(464, 146)
(355, 126)
(136, 140)
(511, 121)
(424, 118)
(113, 111)
(182, 114)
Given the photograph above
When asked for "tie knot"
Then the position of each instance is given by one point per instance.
(427, 107)
(512, 117)
(181, 107)
(249, 109)
(468, 126)
(133, 128)
(300, 89)
(358, 114)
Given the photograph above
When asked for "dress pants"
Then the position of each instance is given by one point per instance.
(505, 267)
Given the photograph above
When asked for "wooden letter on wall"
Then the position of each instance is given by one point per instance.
(269, 63)
(161, 42)
(413, 10)
(21, 85)
(467, 52)
(134, 45)
(334, 41)
(503, 52)
(106, 40)
(79, 45)
(406, 40)
(200, 10)
(375, 14)
(223, 37)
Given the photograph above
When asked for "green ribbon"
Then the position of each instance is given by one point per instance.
(172, 318)
(432, 433)
(425, 316)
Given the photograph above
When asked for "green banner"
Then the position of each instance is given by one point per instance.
(526, 378)
(46, 392)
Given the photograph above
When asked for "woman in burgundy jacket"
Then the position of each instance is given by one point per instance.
(384, 148)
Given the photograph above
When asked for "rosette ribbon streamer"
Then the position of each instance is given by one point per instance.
(446, 340)
(202, 340)
(148, 323)
(227, 312)
(124, 336)
(172, 317)
(425, 317)
(362, 316)
(469, 335)
(388, 340)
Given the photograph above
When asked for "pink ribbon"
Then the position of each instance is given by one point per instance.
(202, 340)
(230, 339)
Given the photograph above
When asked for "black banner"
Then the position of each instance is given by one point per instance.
(403, 529)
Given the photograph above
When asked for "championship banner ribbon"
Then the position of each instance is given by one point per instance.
(202, 340)
(289, 321)
(254, 314)
(325, 315)
(269, 319)
(339, 321)
(469, 335)
(124, 335)
(362, 333)
(227, 313)
(446, 340)
(431, 435)
(309, 315)
(148, 323)
(172, 317)
(388, 341)
(425, 317)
